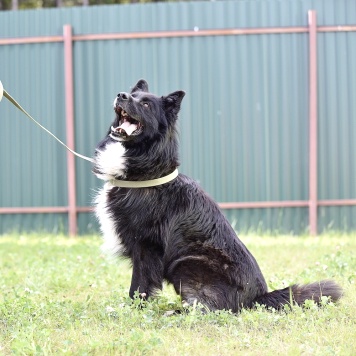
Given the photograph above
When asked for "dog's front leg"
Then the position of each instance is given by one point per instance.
(147, 271)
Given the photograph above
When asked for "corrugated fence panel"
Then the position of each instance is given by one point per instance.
(264, 152)
(32, 165)
(337, 127)
(244, 122)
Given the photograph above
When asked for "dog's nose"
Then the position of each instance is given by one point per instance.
(123, 96)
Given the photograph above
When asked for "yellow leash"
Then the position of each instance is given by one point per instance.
(115, 182)
(4, 93)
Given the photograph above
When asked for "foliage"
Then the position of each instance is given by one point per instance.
(61, 295)
(32, 4)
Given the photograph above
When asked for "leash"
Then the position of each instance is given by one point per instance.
(114, 182)
(4, 93)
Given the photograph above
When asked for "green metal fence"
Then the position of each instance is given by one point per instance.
(245, 121)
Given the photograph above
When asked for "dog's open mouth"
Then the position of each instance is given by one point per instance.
(128, 126)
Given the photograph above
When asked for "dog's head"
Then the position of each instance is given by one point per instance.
(142, 139)
(142, 115)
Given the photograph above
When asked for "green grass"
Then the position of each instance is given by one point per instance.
(62, 296)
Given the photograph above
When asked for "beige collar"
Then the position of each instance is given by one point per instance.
(144, 183)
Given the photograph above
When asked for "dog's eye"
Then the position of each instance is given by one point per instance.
(146, 104)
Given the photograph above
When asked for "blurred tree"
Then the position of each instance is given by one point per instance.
(31, 4)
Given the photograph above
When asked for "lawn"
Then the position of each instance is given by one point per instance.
(61, 295)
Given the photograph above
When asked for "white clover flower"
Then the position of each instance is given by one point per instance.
(109, 309)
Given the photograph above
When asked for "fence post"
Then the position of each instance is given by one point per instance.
(69, 103)
(313, 125)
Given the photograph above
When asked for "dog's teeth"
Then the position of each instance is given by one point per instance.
(124, 113)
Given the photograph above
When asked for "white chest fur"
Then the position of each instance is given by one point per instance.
(112, 243)
(111, 161)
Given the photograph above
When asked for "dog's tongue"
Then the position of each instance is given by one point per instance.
(128, 127)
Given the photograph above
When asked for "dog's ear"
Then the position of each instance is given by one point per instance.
(141, 85)
(171, 102)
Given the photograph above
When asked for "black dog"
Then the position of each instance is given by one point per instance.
(174, 231)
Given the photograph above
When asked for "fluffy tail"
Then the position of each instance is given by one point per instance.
(298, 294)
